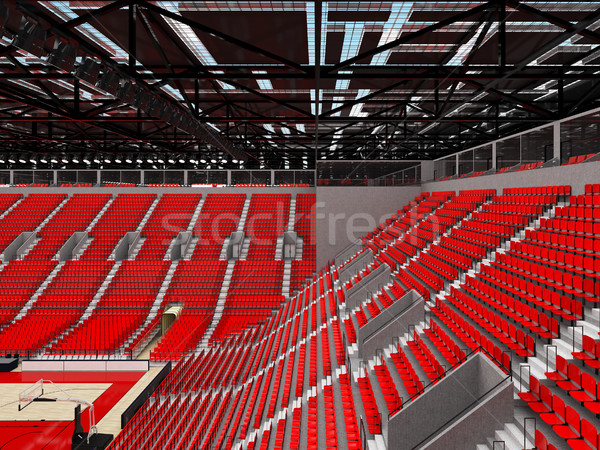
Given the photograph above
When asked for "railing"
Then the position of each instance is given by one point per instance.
(145, 339)
(73, 354)
(348, 251)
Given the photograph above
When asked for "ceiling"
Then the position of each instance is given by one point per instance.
(283, 84)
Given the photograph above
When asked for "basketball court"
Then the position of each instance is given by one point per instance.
(49, 424)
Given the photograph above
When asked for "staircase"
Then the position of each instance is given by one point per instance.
(39, 292)
(287, 279)
(279, 249)
(219, 308)
(292, 216)
(13, 206)
(140, 227)
(223, 254)
(88, 311)
(137, 247)
(244, 215)
(190, 227)
(93, 223)
(155, 306)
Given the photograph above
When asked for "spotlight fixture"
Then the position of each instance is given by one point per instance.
(149, 159)
(235, 161)
(88, 71)
(11, 159)
(54, 160)
(65, 160)
(139, 160)
(107, 159)
(75, 159)
(86, 160)
(202, 160)
(213, 161)
(96, 159)
(223, 161)
(118, 159)
(181, 160)
(141, 100)
(171, 161)
(63, 56)
(127, 91)
(32, 160)
(109, 82)
(128, 159)
(31, 38)
(22, 159)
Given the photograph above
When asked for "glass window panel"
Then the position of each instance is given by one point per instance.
(197, 177)
(508, 153)
(482, 159)
(87, 176)
(465, 162)
(444, 168)
(537, 146)
(66, 177)
(110, 176)
(23, 177)
(4, 176)
(579, 137)
(305, 177)
(261, 177)
(131, 176)
(43, 177)
(154, 177)
(217, 176)
(240, 177)
(284, 177)
(174, 177)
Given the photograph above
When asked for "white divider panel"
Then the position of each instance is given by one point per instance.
(85, 366)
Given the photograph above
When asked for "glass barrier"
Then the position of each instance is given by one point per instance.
(579, 138)
(131, 177)
(66, 177)
(537, 146)
(175, 177)
(87, 176)
(465, 162)
(4, 176)
(154, 177)
(444, 168)
(23, 177)
(368, 173)
(482, 159)
(43, 177)
(110, 176)
(508, 153)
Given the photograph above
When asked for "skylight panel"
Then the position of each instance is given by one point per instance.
(263, 84)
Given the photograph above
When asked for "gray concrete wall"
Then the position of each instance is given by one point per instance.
(393, 321)
(576, 176)
(480, 423)
(345, 214)
(448, 398)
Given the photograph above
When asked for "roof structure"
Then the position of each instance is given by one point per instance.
(289, 82)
